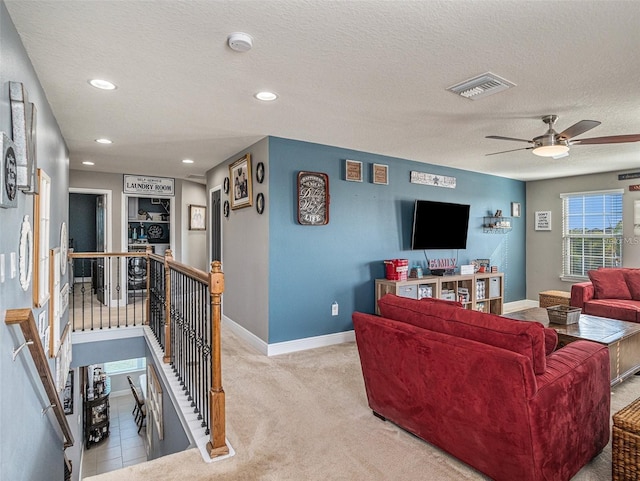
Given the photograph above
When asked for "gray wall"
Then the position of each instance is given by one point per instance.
(544, 248)
(193, 248)
(245, 249)
(23, 429)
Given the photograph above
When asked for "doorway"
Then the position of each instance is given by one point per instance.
(90, 231)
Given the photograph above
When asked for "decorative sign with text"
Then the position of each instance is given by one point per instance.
(142, 184)
(632, 175)
(432, 179)
(543, 220)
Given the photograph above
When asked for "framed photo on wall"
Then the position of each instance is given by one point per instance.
(515, 209)
(197, 217)
(543, 220)
(241, 183)
(353, 170)
(380, 174)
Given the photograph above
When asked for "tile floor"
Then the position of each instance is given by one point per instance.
(124, 446)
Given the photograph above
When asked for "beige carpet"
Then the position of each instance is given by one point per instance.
(304, 416)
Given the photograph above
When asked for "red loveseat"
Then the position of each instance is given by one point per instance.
(488, 390)
(612, 292)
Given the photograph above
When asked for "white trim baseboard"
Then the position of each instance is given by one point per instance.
(286, 347)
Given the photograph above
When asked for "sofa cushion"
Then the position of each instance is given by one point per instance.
(632, 276)
(550, 340)
(609, 283)
(526, 338)
(620, 309)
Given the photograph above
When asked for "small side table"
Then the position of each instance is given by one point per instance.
(625, 443)
(554, 298)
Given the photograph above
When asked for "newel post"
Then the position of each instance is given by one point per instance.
(217, 445)
(168, 256)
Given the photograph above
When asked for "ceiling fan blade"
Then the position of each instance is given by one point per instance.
(613, 139)
(514, 150)
(499, 137)
(577, 129)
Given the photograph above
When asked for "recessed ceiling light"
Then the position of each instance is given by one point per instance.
(102, 84)
(187, 161)
(87, 162)
(266, 96)
(104, 141)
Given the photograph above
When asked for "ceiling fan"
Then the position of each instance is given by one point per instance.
(556, 145)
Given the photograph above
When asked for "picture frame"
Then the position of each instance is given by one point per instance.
(67, 395)
(380, 174)
(543, 220)
(515, 209)
(241, 183)
(41, 229)
(197, 217)
(353, 170)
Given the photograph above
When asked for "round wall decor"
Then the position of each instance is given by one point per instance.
(64, 248)
(260, 203)
(225, 185)
(25, 254)
(226, 208)
(260, 172)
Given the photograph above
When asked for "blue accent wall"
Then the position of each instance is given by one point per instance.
(310, 267)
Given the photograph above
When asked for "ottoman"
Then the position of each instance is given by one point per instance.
(625, 443)
(554, 298)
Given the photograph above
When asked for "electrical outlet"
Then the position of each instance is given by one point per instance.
(334, 309)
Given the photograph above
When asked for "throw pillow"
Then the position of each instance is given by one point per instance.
(609, 283)
(632, 276)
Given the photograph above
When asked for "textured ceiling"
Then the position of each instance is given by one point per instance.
(369, 75)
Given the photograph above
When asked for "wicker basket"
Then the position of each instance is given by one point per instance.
(625, 443)
(554, 298)
(563, 314)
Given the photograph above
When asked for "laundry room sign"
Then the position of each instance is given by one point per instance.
(141, 184)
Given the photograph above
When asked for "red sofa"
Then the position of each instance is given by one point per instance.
(610, 292)
(488, 390)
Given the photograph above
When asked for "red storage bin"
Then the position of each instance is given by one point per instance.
(397, 269)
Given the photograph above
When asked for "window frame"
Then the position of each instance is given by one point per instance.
(616, 197)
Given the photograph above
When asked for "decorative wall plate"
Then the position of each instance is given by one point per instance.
(25, 261)
(154, 231)
(225, 210)
(64, 248)
(260, 172)
(260, 203)
(225, 185)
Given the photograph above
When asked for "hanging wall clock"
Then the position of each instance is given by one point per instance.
(313, 198)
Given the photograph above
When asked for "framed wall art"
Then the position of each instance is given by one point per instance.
(543, 220)
(380, 174)
(241, 183)
(313, 198)
(197, 217)
(23, 125)
(353, 170)
(515, 209)
(42, 220)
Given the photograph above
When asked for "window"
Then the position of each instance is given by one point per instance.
(591, 231)
(127, 365)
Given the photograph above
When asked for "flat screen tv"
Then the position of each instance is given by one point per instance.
(439, 225)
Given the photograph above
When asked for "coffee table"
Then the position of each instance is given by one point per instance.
(621, 337)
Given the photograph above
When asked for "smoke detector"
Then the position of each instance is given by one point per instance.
(481, 86)
(240, 42)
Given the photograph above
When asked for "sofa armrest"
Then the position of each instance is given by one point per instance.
(571, 409)
(580, 293)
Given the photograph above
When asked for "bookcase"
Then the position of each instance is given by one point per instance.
(482, 291)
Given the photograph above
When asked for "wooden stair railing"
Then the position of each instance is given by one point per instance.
(24, 318)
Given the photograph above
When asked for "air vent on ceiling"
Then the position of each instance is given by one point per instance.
(481, 86)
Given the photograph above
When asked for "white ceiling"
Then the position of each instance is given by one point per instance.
(368, 75)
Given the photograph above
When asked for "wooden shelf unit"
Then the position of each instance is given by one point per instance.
(481, 292)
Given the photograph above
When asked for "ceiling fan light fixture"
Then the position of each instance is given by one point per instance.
(551, 150)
